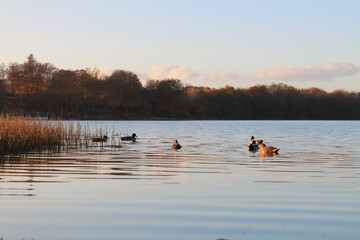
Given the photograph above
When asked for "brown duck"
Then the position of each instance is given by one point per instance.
(268, 150)
(176, 145)
(100, 139)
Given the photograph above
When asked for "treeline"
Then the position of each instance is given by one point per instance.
(41, 88)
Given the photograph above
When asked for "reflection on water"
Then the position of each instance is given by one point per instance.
(212, 188)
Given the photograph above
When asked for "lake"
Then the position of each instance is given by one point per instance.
(212, 188)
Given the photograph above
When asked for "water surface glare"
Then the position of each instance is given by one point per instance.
(212, 188)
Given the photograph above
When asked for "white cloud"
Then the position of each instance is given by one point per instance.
(143, 77)
(297, 73)
(160, 72)
(222, 76)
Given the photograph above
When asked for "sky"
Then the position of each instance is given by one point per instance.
(307, 43)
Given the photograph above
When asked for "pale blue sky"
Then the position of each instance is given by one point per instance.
(211, 43)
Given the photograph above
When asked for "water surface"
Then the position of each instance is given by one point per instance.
(210, 189)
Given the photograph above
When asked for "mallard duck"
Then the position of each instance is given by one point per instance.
(100, 139)
(268, 150)
(129, 138)
(176, 145)
(252, 146)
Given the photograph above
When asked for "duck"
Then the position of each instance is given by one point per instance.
(268, 150)
(100, 139)
(129, 138)
(254, 144)
(176, 145)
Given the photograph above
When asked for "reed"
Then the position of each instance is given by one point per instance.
(20, 134)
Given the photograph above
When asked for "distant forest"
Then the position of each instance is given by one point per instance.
(34, 88)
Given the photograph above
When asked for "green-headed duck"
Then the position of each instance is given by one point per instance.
(129, 138)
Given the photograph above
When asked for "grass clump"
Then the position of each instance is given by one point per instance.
(20, 134)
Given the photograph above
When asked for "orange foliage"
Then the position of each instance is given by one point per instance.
(33, 86)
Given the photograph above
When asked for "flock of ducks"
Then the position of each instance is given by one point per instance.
(132, 138)
(253, 146)
(256, 144)
(103, 139)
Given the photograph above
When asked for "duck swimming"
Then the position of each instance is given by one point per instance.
(268, 150)
(100, 139)
(254, 144)
(176, 145)
(129, 138)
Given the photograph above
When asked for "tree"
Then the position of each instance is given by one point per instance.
(168, 96)
(90, 89)
(29, 82)
(122, 90)
(64, 92)
(2, 85)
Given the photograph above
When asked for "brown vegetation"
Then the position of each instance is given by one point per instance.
(33, 87)
(23, 134)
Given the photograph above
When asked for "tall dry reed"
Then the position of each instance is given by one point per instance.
(22, 134)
